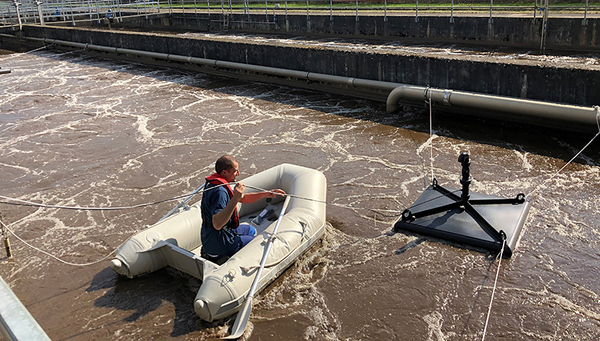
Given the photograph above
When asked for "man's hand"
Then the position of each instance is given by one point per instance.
(275, 192)
(238, 191)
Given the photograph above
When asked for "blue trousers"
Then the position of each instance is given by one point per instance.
(246, 233)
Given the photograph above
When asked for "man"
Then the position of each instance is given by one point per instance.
(222, 234)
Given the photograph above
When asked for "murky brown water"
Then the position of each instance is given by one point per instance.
(82, 131)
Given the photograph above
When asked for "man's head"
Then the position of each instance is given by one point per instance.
(227, 167)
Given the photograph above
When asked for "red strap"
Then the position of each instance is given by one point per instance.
(217, 179)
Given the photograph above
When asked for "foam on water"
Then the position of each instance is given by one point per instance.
(88, 132)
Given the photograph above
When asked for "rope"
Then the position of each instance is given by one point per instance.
(53, 256)
(21, 202)
(487, 320)
(81, 208)
(597, 108)
(22, 53)
(431, 135)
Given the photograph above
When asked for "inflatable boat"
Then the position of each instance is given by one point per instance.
(175, 241)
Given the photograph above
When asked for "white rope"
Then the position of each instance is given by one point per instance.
(487, 320)
(430, 135)
(574, 157)
(22, 53)
(53, 256)
(88, 208)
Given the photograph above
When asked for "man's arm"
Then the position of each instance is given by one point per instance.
(253, 197)
(220, 219)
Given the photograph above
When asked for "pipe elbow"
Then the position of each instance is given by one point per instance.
(391, 104)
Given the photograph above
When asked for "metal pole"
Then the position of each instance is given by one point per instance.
(40, 13)
(72, 15)
(417, 12)
(356, 10)
(385, 11)
(491, 4)
(266, 12)
(5, 233)
(452, 12)
(182, 7)
(307, 13)
(330, 10)
(584, 22)
(544, 27)
(17, 4)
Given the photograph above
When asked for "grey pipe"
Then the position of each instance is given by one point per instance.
(483, 102)
(4, 71)
(532, 109)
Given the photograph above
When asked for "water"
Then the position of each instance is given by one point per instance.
(76, 130)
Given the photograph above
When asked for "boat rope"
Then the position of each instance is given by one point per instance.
(487, 320)
(22, 202)
(51, 255)
(430, 136)
(26, 52)
(27, 203)
(597, 108)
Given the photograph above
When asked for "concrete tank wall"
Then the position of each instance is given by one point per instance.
(563, 85)
(562, 33)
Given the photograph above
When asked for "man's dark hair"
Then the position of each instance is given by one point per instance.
(225, 162)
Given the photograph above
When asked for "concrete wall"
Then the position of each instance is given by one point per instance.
(561, 34)
(563, 85)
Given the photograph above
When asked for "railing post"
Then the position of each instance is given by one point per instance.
(584, 22)
(119, 9)
(452, 12)
(40, 13)
(544, 27)
(417, 12)
(356, 10)
(17, 4)
(307, 17)
(490, 20)
(384, 10)
(72, 16)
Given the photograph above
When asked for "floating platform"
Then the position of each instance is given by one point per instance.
(479, 220)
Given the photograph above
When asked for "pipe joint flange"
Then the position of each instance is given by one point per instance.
(426, 93)
(446, 99)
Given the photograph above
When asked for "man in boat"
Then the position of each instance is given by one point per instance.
(222, 234)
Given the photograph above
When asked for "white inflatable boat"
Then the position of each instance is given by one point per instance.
(175, 241)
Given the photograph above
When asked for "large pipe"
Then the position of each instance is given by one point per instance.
(525, 108)
(517, 108)
(4, 71)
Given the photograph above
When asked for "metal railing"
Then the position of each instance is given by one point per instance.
(41, 12)
(33, 11)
